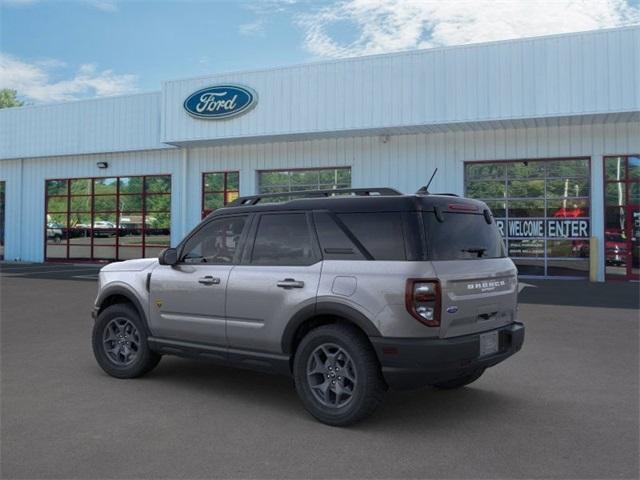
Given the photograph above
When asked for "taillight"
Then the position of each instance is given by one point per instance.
(422, 299)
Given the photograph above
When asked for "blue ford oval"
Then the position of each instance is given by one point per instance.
(220, 101)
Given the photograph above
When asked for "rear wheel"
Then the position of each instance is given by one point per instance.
(119, 343)
(460, 381)
(337, 375)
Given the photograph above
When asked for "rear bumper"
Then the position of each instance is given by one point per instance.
(412, 363)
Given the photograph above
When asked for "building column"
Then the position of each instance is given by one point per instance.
(597, 211)
(248, 182)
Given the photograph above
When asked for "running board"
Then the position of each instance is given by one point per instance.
(261, 361)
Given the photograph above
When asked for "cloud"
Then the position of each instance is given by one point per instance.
(34, 82)
(252, 28)
(379, 26)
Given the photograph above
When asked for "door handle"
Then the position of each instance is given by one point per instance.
(209, 280)
(290, 283)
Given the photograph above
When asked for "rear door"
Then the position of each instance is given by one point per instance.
(478, 283)
(278, 276)
(187, 301)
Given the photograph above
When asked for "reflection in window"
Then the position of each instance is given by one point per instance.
(216, 243)
(277, 181)
(106, 219)
(546, 194)
(283, 239)
(219, 189)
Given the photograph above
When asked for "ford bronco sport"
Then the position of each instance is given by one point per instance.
(350, 292)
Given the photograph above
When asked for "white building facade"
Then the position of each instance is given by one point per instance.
(545, 130)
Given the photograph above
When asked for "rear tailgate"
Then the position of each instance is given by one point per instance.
(477, 295)
(479, 285)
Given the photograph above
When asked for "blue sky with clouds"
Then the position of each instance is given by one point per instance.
(54, 50)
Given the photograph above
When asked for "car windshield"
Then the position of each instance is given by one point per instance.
(462, 236)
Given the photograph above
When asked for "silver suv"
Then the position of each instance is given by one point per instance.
(349, 292)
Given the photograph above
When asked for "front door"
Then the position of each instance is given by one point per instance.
(279, 276)
(622, 217)
(187, 301)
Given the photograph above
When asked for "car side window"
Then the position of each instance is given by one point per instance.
(216, 243)
(283, 239)
(380, 233)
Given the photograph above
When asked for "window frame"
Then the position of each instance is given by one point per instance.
(205, 224)
(203, 191)
(90, 232)
(253, 231)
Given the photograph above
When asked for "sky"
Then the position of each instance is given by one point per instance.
(56, 50)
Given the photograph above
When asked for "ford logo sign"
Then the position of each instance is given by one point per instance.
(220, 101)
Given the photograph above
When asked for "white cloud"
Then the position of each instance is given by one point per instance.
(252, 28)
(390, 25)
(33, 81)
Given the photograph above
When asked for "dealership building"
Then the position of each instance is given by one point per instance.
(545, 130)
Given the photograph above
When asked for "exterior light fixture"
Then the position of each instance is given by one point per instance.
(102, 165)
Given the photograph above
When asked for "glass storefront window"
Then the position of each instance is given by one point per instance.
(104, 219)
(616, 193)
(622, 216)
(277, 181)
(545, 224)
(218, 189)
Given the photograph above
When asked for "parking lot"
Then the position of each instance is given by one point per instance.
(565, 406)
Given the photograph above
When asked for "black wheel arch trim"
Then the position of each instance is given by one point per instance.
(129, 295)
(330, 309)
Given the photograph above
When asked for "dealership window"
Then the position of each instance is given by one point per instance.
(218, 189)
(280, 181)
(542, 208)
(106, 219)
(622, 216)
(2, 188)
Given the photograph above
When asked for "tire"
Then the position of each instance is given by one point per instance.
(119, 326)
(317, 362)
(460, 381)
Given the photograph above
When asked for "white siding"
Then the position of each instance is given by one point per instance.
(114, 124)
(592, 73)
(404, 162)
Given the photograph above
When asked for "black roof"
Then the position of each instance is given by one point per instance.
(361, 203)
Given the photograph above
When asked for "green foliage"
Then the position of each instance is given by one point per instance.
(8, 98)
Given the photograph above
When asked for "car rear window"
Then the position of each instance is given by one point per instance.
(462, 236)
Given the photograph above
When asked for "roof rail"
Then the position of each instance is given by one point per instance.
(360, 192)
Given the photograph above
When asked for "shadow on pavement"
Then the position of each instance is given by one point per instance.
(581, 293)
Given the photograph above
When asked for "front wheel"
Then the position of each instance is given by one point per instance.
(119, 343)
(337, 375)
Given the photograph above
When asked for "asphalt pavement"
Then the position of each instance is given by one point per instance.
(566, 406)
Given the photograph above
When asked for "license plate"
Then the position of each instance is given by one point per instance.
(488, 343)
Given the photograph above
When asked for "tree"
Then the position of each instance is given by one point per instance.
(8, 98)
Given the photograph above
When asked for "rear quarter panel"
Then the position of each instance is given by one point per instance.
(377, 290)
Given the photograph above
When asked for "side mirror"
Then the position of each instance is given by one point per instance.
(169, 256)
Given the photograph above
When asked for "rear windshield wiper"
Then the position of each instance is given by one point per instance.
(479, 251)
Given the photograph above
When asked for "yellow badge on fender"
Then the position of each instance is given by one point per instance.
(159, 303)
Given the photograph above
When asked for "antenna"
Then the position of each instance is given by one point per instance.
(425, 190)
